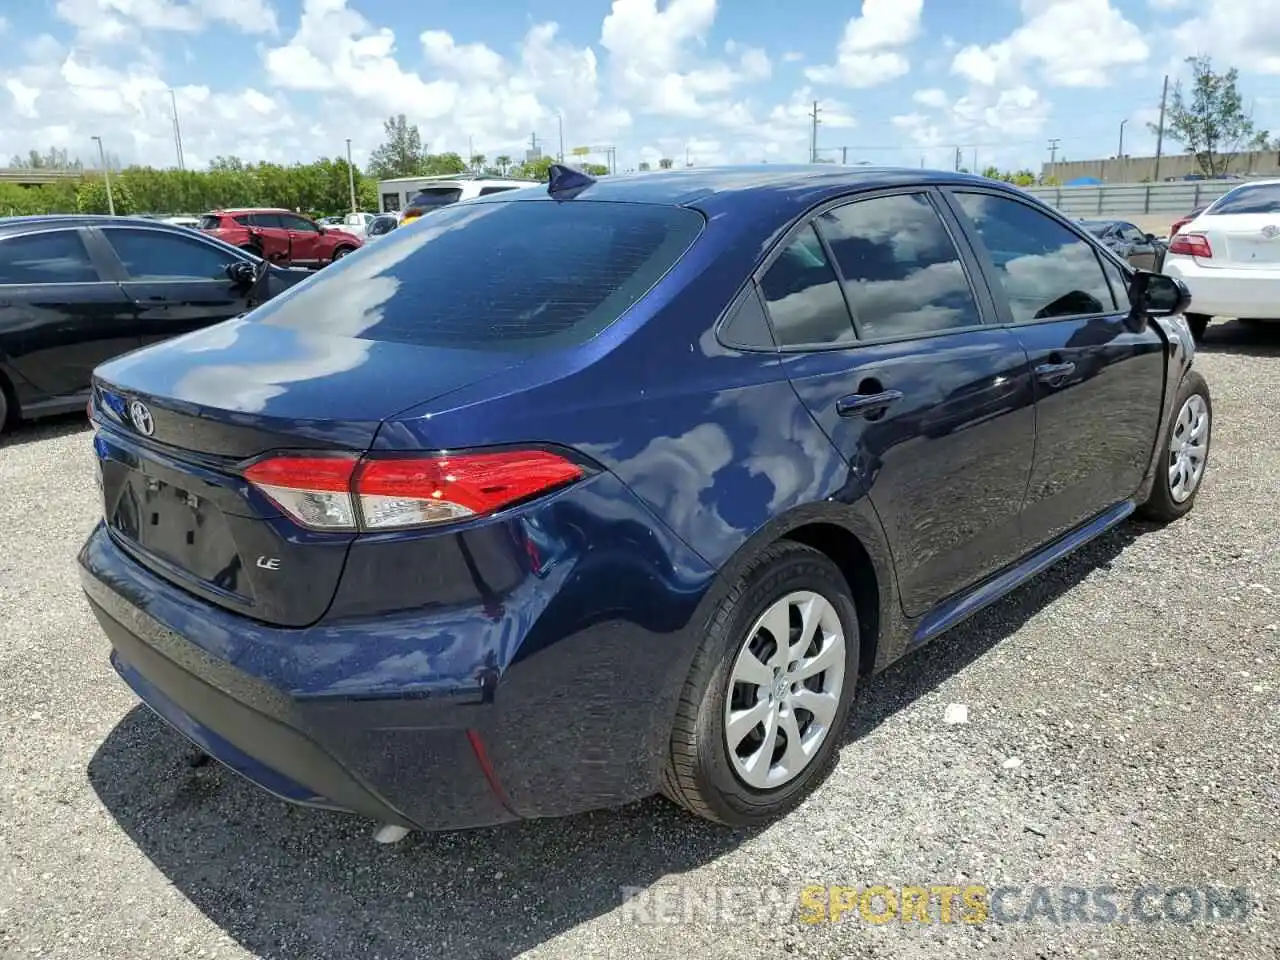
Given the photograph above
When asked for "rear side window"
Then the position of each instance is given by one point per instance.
(210, 222)
(1046, 271)
(803, 295)
(267, 221)
(902, 270)
(55, 257)
(500, 276)
(1261, 198)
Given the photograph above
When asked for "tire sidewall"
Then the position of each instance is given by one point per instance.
(801, 570)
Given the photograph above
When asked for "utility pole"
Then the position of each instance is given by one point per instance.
(351, 176)
(106, 175)
(1164, 95)
(1053, 156)
(959, 159)
(844, 156)
(813, 146)
(974, 168)
(177, 129)
(560, 121)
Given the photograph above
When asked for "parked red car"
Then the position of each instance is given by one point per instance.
(280, 236)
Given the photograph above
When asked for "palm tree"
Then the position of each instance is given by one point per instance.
(477, 160)
(504, 163)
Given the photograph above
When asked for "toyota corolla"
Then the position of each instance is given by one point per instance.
(557, 499)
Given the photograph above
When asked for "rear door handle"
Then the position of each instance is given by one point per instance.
(1054, 373)
(861, 404)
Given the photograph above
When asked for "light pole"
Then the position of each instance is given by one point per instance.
(1120, 151)
(106, 175)
(351, 176)
(560, 121)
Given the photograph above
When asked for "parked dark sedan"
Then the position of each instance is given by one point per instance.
(76, 291)
(560, 498)
(1144, 250)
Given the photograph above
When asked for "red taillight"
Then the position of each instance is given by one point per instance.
(389, 493)
(1191, 245)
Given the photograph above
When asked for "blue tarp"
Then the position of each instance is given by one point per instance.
(1083, 182)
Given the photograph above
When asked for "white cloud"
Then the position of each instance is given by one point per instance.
(109, 22)
(870, 51)
(932, 97)
(1073, 43)
(1243, 34)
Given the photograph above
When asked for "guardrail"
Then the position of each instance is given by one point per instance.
(1129, 199)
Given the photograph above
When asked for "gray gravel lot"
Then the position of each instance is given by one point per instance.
(1136, 682)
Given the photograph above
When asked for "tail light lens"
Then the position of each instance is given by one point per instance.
(393, 493)
(1191, 245)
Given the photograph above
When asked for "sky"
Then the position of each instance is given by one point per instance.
(699, 81)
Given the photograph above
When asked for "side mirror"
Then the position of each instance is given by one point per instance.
(241, 273)
(1152, 238)
(1157, 295)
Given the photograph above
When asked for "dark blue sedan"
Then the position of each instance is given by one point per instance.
(570, 495)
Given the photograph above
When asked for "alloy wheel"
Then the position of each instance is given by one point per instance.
(784, 690)
(1188, 448)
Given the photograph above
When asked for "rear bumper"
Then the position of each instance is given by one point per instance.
(1227, 292)
(558, 699)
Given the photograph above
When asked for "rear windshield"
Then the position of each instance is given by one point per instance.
(439, 197)
(1263, 198)
(210, 222)
(504, 276)
(382, 225)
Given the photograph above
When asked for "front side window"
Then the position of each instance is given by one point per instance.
(153, 255)
(58, 256)
(210, 222)
(903, 273)
(1045, 270)
(803, 296)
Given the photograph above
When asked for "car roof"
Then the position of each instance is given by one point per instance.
(234, 210)
(54, 221)
(712, 188)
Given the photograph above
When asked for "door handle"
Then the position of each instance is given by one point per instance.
(1055, 373)
(862, 404)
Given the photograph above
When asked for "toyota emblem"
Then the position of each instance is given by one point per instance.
(1270, 231)
(142, 419)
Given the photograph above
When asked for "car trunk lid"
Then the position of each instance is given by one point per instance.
(1248, 240)
(179, 422)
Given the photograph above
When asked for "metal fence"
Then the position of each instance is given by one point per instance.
(1130, 199)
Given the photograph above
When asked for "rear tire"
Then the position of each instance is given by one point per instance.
(1185, 445)
(715, 778)
(4, 406)
(340, 253)
(1198, 322)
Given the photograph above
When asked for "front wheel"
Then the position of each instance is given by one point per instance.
(1186, 452)
(341, 252)
(764, 707)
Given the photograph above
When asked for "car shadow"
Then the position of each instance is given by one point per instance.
(1250, 339)
(63, 425)
(286, 882)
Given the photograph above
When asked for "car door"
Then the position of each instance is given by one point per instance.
(1098, 382)
(61, 313)
(883, 334)
(178, 283)
(304, 239)
(270, 233)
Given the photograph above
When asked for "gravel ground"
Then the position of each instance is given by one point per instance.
(1122, 731)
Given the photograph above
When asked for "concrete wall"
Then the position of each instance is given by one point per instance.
(1141, 169)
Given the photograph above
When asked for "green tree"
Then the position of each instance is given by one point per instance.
(91, 197)
(402, 154)
(477, 161)
(52, 159)
(1212, 125)
(666, 163)
(539, 169)
(441, 163)
(504, 163)
(644, 165)
(595, 169)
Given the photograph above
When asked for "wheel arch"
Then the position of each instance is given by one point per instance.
(12, 408)
(850, 536)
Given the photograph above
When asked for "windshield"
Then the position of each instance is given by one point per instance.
(513, 276)
(1096, 227)
(1258, 198)
(210, 222)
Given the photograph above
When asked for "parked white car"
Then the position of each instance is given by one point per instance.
(1229, 256)
(357, 223)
